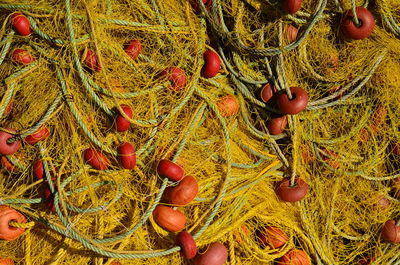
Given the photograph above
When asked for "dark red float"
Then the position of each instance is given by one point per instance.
(22, 57)
(295, 105)
(212, 64)
(8, 148)
(21, 24)
(127, 155)
(289, 193)
(122, 124)
(92, 61)
(291, 6)
(133, 49)
(169, 169)
(358, 32)
(38, 136)
(277, 125)
(187, 244)
(96, 159)
(176, 76)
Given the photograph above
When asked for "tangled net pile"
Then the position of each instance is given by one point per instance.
(345, 144)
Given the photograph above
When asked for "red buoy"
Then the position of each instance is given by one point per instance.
(291, 6)
(212, 64)
(277, 125)
(183, 193)
(391, 232)
(273, 237)
(133, 49)
(187, 244)
(38, 169)
(216, 254)
(21, 24)
(92, 61)
(268, 93)
(358, 32)
(228, 105)
(169, 169)
(289, 193)
(41, 134)
(122, 124)
(22, 57)
(176, 76)
(96, 159)
(5, 261)
(169, 219)
(295, 105)
(49, 199)
(294, 257)
(8, 148)
(127, 155)
(7, 215)
(290, 33)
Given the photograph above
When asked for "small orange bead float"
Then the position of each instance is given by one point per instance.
(289, 193)
(330, 158)
(5, 261)
(228, 105)
(133, 49)
(8, 148)
(358, 32)
(38, 136)
(273, 237)
(22, 57)
(176, 76)
(7, 215)
(240, 234)
(92, 61)
(291, 33)
(169, 169)
(267, 93)
(291, 6)
(127, 155)
(122, 124)
(212, 64)
(187, 244)
(183, 193)
(277, 125)
(295, 105)
(21, 24)
(333, 63)
(216, 254)
(96, 159)
(169, 219)
(294, 257)
(7, 164)
(391, 232)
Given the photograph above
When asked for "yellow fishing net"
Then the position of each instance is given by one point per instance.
(342, 144)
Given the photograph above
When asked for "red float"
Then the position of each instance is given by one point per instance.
(96, 159)
(268, 93)
(183, 193)
(127, 155)
(7, 215)
(38, 169)
(216, 254)
(364, 30)
(176, 76)
(295, 105)
(228, 106)
(92, 61)
(169, 219)
(49, 199)
(212, 64)
(8, 148)
(273, 237)
(289, 193)
(291, 6)
(38, 136)
(122, 124)
(21, 24)
(294, 257)
(22, 57)
(187, 244)
(196, 7)
(277, 125)
(133, 49)
(169, 169)
(391, 232)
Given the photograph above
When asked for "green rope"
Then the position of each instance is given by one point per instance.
(8, 41)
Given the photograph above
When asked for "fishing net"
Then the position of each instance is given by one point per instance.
(343, 144)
